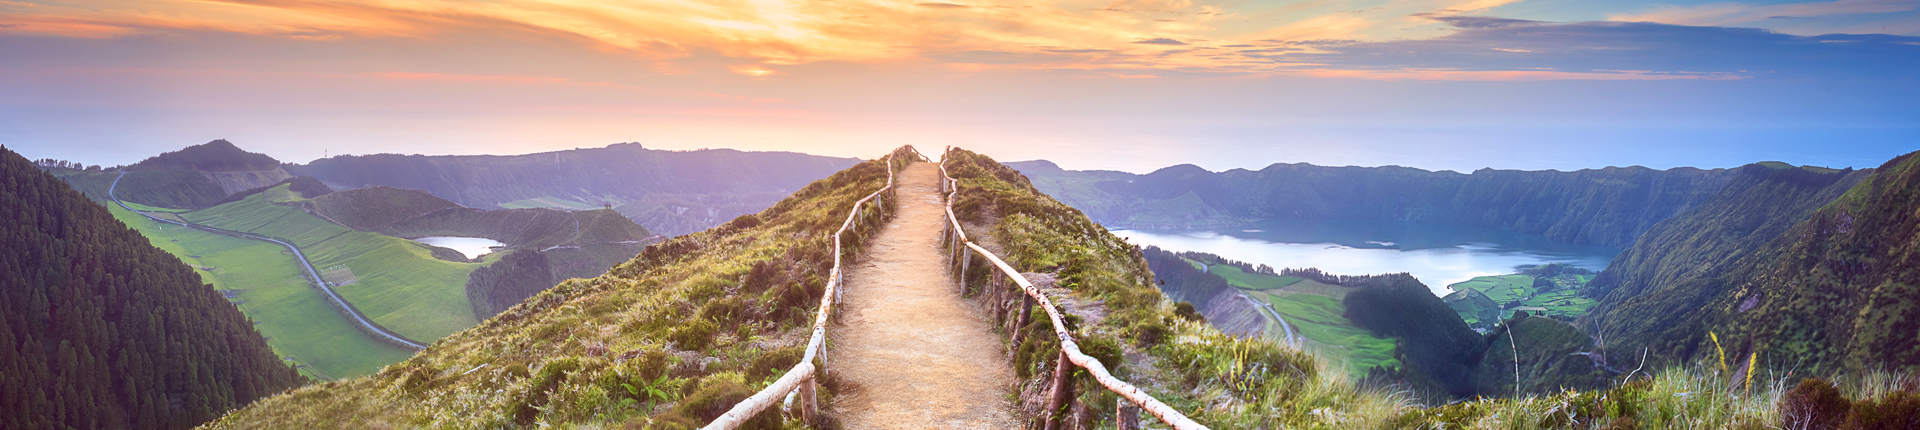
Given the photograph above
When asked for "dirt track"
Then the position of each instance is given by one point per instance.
(911, 352)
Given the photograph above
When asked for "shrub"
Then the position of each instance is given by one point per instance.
(1149, 334)
(718, 393)
(1185, 310)
(743, 222)
(1898, 410)
(694, 336)
(726, 311)
(775, 362)
(1814, 404)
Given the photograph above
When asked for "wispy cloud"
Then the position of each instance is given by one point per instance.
(1621, 50)
(1159, 41)
(768, 39)
(1737, 13)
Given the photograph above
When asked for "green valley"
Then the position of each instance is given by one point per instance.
(400, 284)
(265, 283)
(1551, 291)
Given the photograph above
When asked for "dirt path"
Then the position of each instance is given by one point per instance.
(914, 354)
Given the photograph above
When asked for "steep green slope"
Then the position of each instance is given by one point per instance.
(673, 192)
(99, 329)
(1758, 205)
(1607, 206)
(1839, 291)
(709, 315)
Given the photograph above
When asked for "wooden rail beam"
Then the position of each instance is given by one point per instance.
(1069, 350)
(800, 383)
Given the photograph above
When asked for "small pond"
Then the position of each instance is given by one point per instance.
(472, 247)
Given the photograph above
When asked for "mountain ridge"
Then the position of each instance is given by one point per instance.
(1607, 206)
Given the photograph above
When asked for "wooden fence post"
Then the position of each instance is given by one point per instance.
(1127, 415)
(966, 258)
(1019, 326)
(1062, 393)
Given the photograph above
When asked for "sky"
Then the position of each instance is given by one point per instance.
(1130, 85)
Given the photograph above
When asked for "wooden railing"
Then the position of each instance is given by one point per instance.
(1061, 389)
(800, 384)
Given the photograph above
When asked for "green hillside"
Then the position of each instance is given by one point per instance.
(98, 329)
(399, 283)
(566, 356)
(1836, 292)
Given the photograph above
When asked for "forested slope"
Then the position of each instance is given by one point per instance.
(1839, 291)
(1758, 204)
(99, 329)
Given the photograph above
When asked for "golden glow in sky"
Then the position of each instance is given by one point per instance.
(1429, 83)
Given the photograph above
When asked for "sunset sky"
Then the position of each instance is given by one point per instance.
(1125, 85)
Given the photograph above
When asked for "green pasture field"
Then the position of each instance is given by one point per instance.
(1566, 303)
(546, 202)
(1318, 318)
(296, 318)
(1502, 289)
(145, 208)
(401, 286)
(1315, 311)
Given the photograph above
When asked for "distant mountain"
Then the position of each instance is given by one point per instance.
(670, 192)
(194, 177)
(1609, 206)
(216, 156)
(99, 329)
(1835, 287)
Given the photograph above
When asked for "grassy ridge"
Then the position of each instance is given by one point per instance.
(295, 317)
(401, 285)
(689, 324)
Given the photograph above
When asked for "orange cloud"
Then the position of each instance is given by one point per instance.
(1119, 37)
(1507, 75)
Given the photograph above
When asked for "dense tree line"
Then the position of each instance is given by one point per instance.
(1179, 279)
(99, 329)
(507, 282)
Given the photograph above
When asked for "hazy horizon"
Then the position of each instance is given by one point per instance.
(1130, 85)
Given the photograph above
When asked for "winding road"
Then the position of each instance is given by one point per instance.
(349, 310)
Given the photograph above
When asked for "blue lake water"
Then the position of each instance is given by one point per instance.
(1438, 255)
(472, 247)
